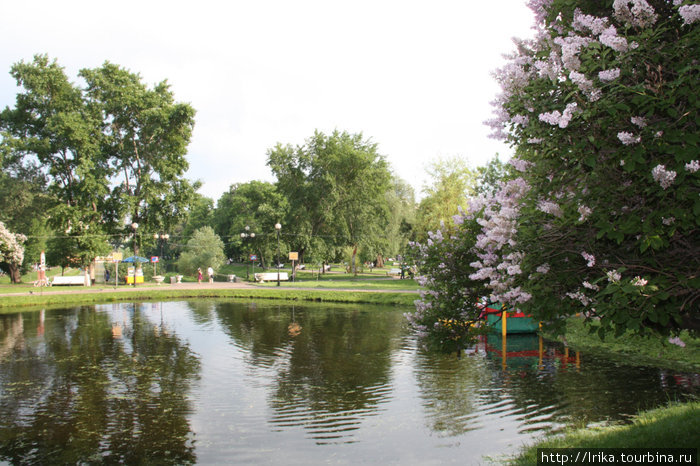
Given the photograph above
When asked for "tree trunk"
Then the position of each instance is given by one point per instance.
(380, 260)
(262, 260)
(13, 272)
(354, 255)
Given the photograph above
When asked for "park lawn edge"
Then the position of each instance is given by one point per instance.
(10, 303)
(676, 425)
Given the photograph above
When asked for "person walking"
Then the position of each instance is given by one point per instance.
(210, 272)
(199, 275)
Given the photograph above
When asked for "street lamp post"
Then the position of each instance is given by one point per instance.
(134, 226)
(278, 227)
(245, 235)
(163, 237)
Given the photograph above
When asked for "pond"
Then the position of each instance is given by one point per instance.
(212, 381)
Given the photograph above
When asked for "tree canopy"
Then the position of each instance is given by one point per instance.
(453, 183)
(112, 153)
(335, 186)
(205, 249)
(257, 205)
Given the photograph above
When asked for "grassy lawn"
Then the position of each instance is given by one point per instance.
(11, 303)
(674, 426)
(348, 282)
(376, 279)
(325, 288)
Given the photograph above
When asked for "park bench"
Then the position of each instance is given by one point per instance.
(72, 280)
(270, 277)
(394, 272)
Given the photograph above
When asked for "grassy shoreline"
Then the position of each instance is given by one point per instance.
(674, 426)
(9, 303)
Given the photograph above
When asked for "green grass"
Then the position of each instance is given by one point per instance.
(360, 283)
(635, 350)
(673, 426)
(107, 294)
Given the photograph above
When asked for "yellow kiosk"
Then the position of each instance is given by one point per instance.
(134, 275)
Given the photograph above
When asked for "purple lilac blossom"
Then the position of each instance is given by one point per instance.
(613, 276)
(693, 166)
(639, 121)
(582, 22)
(641, 14)
(689, 13)
(585, 212)
(551, 208)
(520, 165)
(638, 281)
(628, 138)
(610, 38)
(609, 75)
(662, 176)
(589, 257)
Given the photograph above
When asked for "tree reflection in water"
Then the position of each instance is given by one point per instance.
(70, 392)
(333, 366)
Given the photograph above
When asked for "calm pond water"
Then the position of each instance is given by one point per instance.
(212, 381)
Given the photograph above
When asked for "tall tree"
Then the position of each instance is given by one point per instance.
(336, 186)
(53, 125)
(402, 217)
(146, 134)
(453, 182)
(258, 205)
(113, 154)
(199, 214)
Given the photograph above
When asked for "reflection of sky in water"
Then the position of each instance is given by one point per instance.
(267, 395)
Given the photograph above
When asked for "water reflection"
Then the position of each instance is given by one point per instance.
(522, 385)
(70, 392)
(332, 367)
(216, 382)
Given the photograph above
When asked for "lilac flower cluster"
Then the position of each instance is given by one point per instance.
(609, 75)
(585, 213)
(628, 138)
(638, 281)
(556, 118)
(662, 176)
(499, 261)
(551, 208)
(520, 165)
(610, 38)
(589, 257)
(689, 13)
(641, 14)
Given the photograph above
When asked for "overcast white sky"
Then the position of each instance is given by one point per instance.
(415, 77)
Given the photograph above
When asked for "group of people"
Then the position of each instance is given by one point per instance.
(210, 272)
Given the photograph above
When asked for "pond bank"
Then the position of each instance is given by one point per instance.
(674, 426)
(634, 350)
(82, 295)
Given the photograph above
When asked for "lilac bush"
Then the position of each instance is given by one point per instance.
(11, 251)
(602, 110)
